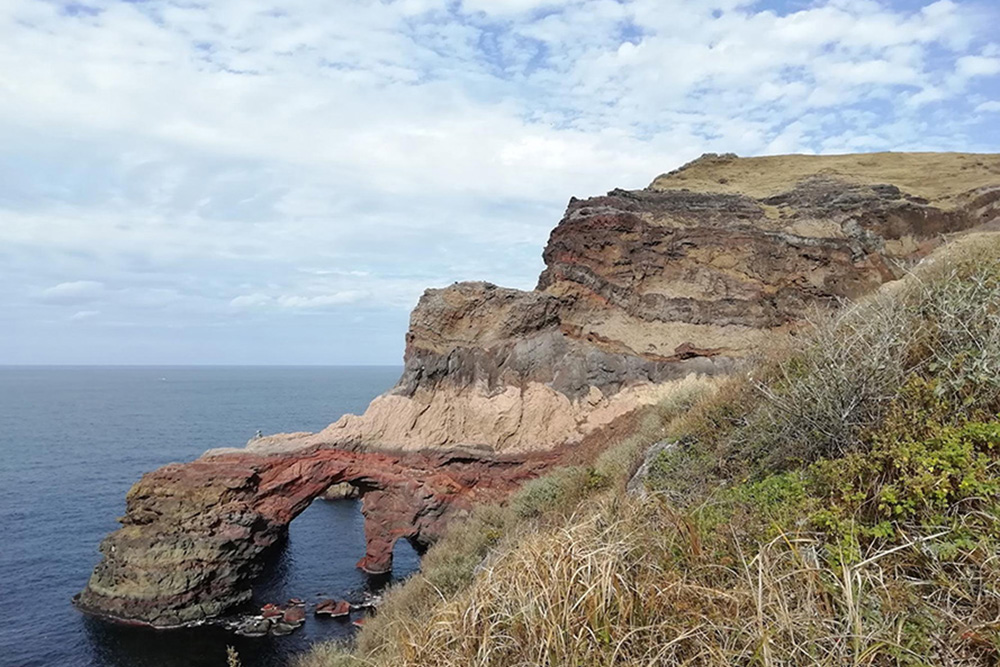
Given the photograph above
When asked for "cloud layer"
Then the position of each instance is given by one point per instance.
(248, 182)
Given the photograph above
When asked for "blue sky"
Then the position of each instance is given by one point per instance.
(241, 181)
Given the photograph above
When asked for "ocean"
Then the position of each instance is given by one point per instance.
(72, 442)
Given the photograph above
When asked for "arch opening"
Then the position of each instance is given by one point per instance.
(318, 557)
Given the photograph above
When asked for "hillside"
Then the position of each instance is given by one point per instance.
(944, 180)
(648, 297)
(837, 504)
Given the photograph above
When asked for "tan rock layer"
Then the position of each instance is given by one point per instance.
(535, 417)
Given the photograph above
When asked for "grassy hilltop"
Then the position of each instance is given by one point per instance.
(940, 178)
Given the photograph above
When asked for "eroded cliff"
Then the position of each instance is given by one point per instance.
(641, 290)
(645, 287)
(194, 535)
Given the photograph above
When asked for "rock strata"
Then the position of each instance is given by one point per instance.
(641, 290)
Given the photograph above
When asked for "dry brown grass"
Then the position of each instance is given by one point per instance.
(626, 582)
(813, 566)
(938, 177)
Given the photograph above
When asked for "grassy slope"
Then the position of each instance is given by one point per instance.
(837, 505)
(938, 177)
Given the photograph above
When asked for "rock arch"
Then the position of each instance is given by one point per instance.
(194, 536)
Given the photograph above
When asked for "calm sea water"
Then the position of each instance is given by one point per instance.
(72, 442)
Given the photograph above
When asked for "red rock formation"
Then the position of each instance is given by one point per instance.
(194, 536)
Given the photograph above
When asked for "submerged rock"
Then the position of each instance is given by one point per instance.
(281, 628)
(253, 626)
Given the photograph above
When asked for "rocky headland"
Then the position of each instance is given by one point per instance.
(642, 289)
(194, 535)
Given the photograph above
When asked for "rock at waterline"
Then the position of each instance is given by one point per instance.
(333, 608)
(253, 626)
(294, 616)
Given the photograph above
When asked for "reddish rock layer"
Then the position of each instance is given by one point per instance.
(194, 536)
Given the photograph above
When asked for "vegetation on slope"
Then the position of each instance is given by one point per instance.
(939, 178)
(837, 505)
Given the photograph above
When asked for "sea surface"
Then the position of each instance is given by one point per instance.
(72, 442)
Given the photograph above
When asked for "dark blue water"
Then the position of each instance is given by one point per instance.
(72, 442)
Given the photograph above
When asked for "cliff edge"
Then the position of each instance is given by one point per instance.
(642, 288)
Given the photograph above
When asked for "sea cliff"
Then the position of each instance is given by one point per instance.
(642, 290)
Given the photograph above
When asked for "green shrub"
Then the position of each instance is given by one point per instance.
(919, 465)
(558, 489)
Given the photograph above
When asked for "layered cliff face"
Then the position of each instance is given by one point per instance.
(642, 288)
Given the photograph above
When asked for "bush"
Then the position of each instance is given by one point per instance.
(921, 464)
(556, 490)
(821, 396)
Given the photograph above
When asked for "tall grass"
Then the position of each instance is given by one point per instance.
(818, 395)
(840, 505)
(608, 589)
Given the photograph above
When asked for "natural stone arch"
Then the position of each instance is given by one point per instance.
(194, 536)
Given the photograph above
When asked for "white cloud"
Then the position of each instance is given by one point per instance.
(298, 301)
(989, 107)
(321, 300)
(507, 7)
(77, 291)
(251, 301)
(202, 163)
(972, 66)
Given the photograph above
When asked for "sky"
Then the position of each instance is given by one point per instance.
(254, 182)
